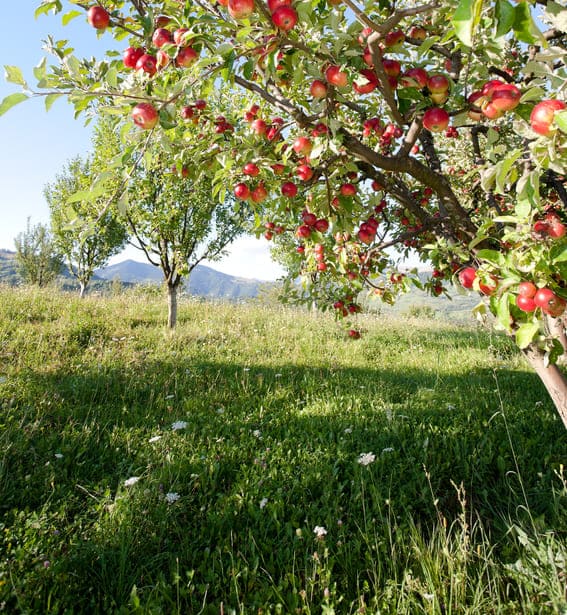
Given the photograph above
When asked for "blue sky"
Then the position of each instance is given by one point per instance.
(35, 144)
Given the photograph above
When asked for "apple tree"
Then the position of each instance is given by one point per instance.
(86, 231)
(362, 130)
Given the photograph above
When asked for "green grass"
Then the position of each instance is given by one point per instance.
(463, 509)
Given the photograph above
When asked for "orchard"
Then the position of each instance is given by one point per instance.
(358, 133)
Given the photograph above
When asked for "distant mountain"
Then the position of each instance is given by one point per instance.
(203, 280)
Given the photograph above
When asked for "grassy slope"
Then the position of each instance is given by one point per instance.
(278, 406)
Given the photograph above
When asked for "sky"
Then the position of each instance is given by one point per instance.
(35, 144)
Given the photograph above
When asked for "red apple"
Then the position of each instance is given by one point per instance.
(414, 78)
(527, 289)
(348, 190)
(392, 68)
(394, 38)
(369, 79)
(241, 191)
(98, 17)
(131, 56)
(505, 97)
(147, 63)
(180, 36)
(438, 84)
(302, 146)
(549, 302)
(304, 172)
(303, 231)
(187, 112)
(289, 189)
(309, 218)
(284, 17)
(436, 119)
(354, 334)
(161, 37)
(318, 89)
(278, 168)
(186, 56)
(542, 116)
(145, 116)
(275, 4)
(259, 127)
(466, 277)
(240, 9)
(259, 193)
(162, 59)
(335, 76)
(526, 304)
(251, 169)
(322, 225)
(417, 33)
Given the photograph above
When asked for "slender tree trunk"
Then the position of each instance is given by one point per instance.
(552, 378)
(83, 289)
(171, 305)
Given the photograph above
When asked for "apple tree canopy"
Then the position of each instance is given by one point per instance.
(358, 132)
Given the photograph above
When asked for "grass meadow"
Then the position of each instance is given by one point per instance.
(258, 461)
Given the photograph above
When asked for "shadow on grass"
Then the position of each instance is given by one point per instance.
(263, 456)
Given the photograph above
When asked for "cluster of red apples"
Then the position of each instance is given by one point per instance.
(284, 16)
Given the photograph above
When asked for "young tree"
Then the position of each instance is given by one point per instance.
(86, 233)
(176, 223)
(37, 259)
(435, 128)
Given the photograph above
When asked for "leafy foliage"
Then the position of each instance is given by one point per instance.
(37, 258)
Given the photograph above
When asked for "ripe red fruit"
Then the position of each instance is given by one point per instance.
(526, 304)
(289, 189)
(303, 231)
(251, 169)
(394, 38)
(418, 33)
(284, 17)
(466, 277)
(240, 9)
(145, 116)
(241, 191)
(268, 235)
(322, 225)
(259, 127)
(303, 146)
(549, 302)
(556, 228)
(187, 113)
(277, 168)
(392, 68)
(98, 17)
(414, 78)
(542, 116)
(438, 84)
(147, 63)
(162, 59)
(180, 36)
(304, 172)
(161, 37)
(335, 76)
(354, 334)
(309, 218)
(368, 76)
(186, 56)
(259, 193)
(131, 56)
(436, 119)
(275, 4)
(321, 266)
(505, 97)
(527, 289)
(348, 190)
(488, 288)
(200, 104)
(318, 89)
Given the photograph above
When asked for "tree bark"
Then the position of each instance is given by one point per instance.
(171, 305)
(83, 287)
(552, 378)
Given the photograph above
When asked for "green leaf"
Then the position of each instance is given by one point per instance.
(558, 254)
(524, 26)
(526, 333)
(561, 120)
(50, 99)
(14, 75)
(465, 20)
(12, 100)
(503, 310)
(492, 256)
(505, 16)
(39, 70)
(70, 16)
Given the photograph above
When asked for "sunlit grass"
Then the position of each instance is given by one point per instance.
(145, 472)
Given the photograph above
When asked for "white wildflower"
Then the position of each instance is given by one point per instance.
(58, 455)
(131, 481)
(257, 433)
(172, 497)
(365, 459)
(220, 410)
(179, 425)
(263, 502)
(319, 531)
(348, 430)
(154, 439)
(389, 449)
(169, 396)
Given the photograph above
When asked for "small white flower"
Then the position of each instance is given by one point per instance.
(278, 376)
(389, 449)
(428, 596)
(154, 439)
(179, 425)
(348, 430)
(169, 396)
(58, 455)
(319, 531)
(246, 369)
(220, 410)
(450, 407)
(257, 433)
(365, 459)
(171, 497)
(3, 379)
(263, 502)
(131, 481)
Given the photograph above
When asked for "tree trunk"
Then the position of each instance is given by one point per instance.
(83, 287)
(171, 305)
(552, 378)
